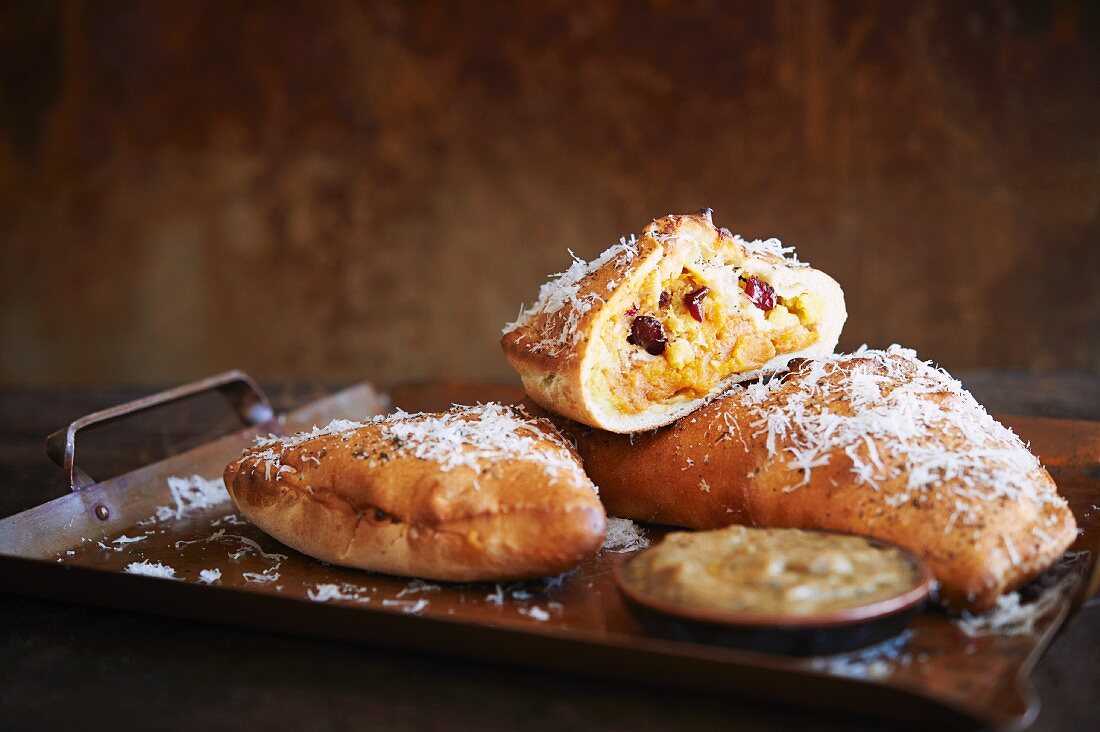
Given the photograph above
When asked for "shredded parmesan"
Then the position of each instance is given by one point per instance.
(270, 574)
(246, 547)
(151, 569)
(560, 302)
(893, 415)
(476, 437)
(770, 247)
(418, 585)
(123, 540)
(535, 613)
(190, 493)
(623, 535)
(1011, 616)
(210, 576)
(407, 606)
(324, 592)
(470, 436)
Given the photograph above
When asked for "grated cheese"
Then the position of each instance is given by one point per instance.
(475, 437)
(1011, 617)
(466, 436)
(535, 613)
(123, 540)
(893, 415)
(407, 606)
(247, 546)
(559, 298)
(270, 574)
(189, 493)
(151, 569)
(497, 597)
(771, 248)
(623, 535)
(324, 592)
(210, 576)
(418, 585)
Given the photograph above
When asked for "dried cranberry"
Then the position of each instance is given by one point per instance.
(632, 311)
(646, 332)
(694, 302)
(761, 293)
(665, 299)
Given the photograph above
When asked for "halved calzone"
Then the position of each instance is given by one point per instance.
(656, 325)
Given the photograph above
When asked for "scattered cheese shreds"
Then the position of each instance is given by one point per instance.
(559, 298)
(770, 247)
(466, 436)
(407, 606)
(623, 535)
(210, 576)
(262, 578)
(496, 597)
(893, 415)
(151, 569)
(324, 592)
(473, 437)
(535, 613)
(419, 585)
(191, 493)
(1012, 617)
(123, 540)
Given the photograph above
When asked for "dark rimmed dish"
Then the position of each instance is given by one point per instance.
(800, 635)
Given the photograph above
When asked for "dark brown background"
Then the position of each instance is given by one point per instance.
(338, 191)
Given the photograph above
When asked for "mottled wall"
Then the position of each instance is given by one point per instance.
(340, 190)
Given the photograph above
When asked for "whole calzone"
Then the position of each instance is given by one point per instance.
(476, 493)
(877, 443)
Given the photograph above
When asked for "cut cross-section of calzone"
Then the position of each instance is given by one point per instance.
(657, 325)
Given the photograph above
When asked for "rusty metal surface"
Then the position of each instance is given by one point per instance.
(188, 184)
(575, 622)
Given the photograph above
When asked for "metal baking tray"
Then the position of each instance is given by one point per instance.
(78, 547)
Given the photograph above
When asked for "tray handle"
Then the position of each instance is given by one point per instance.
(244, 395)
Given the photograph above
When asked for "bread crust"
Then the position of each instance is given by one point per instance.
(715, 468)
(552, 348)
(361, 497)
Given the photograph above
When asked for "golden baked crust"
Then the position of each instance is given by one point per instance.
(875, 443)
(579, 353)
(476, 493)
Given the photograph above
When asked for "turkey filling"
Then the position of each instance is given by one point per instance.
(683, 334)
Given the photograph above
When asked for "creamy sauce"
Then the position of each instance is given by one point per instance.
(769, 571)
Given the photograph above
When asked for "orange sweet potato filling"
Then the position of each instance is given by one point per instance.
(730, 339)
